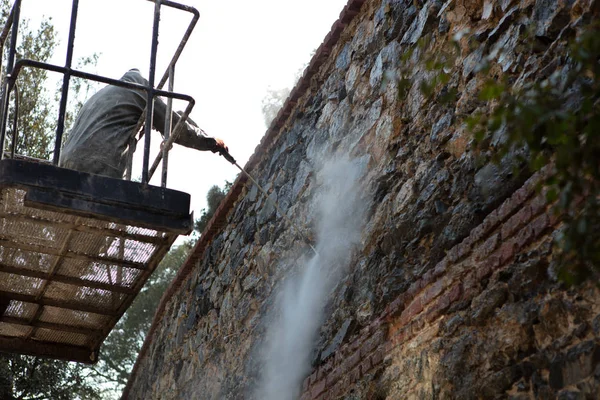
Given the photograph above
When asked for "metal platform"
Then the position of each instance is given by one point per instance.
(75, 249)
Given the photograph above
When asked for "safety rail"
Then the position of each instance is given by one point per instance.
(13, 68)
(76, 248)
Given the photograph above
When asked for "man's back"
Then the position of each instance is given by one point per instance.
(100, 136)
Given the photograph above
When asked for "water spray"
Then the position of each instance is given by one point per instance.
(229, 158)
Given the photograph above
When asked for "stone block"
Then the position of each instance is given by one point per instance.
(486, 248)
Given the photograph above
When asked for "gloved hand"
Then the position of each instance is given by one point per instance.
(223, 150)
(220, 146)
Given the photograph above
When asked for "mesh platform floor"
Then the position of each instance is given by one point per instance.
(65, 280)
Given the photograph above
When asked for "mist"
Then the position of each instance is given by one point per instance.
(299, 309)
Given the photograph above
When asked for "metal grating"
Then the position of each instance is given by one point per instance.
(67, 277)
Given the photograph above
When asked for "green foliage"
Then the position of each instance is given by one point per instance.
(437, 66)
(214, 197)
(38, 109)
(35, 118)
(32, 378)
(557, 120)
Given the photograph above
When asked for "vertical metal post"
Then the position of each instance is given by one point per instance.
(9, 69)
(65, 88)
(15, 123)
(168, 123)
(150, 101)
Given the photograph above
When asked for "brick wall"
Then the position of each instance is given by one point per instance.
(523, 221)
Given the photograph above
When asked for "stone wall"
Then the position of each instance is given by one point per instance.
(452, 292)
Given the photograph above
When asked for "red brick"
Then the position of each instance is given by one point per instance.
(370, 344)
(417, 325)
(438, 307)
(379, 354)
(483, 271)
(324, 370)
(318, 388)
(486, 248)
(306, 384)
(394, 329)
(539, 224)
(524, 237)
(454, 293)
(469, 293)
(376, 325)
(477, 233)
(413, 309)
(313, 378)
(471, 280)
(521, 195)
(427, 278)
(489, 223)
(354, 344)
(452, 254)
(538, 204)
(493, 261)
(554, 217)
(402, 335)
(365, 334)
(464, 248)
(440, 268)
(333, 376)
(351, 361)
(515, 222)
(365, 366)
(337, 390)
(345, 349)
(505, 209)
(396, 306)
(388, 346)
(432, 291)
(338, 358)
(414, 288)
(305, 396)
(354, 374)
(506, 252)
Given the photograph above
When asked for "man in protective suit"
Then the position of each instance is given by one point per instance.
(104, 130)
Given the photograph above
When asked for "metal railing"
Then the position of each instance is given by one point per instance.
(13, 68)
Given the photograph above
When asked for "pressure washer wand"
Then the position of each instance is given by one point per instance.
(229, 158)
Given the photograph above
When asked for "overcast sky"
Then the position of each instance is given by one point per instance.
(238, 50)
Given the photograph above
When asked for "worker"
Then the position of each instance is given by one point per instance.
(103, 132)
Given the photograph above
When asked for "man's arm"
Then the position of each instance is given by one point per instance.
(190, 135)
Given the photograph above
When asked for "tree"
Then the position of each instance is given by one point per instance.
(272, 103)
(34, 378)
(38, 110)
(213, 198)
(35, 108)
(275, 98)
